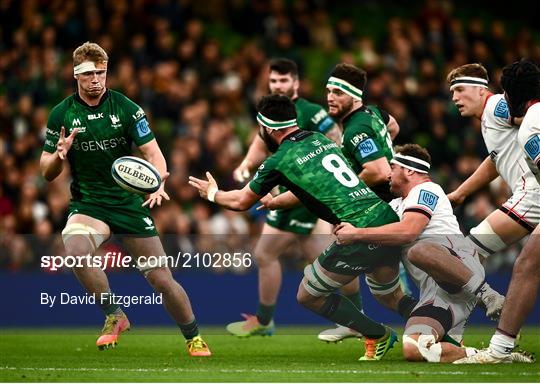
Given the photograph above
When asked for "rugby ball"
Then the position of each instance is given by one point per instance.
(135, 175)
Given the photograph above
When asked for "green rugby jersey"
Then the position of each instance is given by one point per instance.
(315, 170)
(106, 132)
(312, 117)
(365, 136)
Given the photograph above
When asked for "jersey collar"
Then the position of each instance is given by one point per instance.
(101, 101)
(297, 135)
(485, 101)
(363, 108)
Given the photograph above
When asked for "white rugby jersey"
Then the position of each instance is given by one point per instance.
(503, 146)
(429, 199)
(529, 139)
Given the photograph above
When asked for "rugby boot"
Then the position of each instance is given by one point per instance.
(335, 335)
(115, 324)
(198, 347)
(489, 356)
(251, 327)
(377, 348)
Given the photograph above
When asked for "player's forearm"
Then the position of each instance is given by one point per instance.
(484, 174)
(284, 201)
(50, 165)
(334, 134)
(372, 177)
(388, 235)
(375, 172)
(257, 153)
(158, 160)
(233, 200)
(393, 127)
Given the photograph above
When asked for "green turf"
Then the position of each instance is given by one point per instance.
(292, 355)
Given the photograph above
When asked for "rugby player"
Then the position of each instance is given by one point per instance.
(520, 214)
(521, 84)
(442, 263)
(314, 169)
(367, 132)
(284, 227)
(101, 125)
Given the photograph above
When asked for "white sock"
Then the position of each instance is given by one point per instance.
(502, 344)
(470, 351)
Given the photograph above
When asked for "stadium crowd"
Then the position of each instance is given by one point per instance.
(197, 69)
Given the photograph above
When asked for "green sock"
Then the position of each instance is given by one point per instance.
(356, 299)
(107, 305)
(189, 330)
(341, 310)
(450, 340)
(265, 313)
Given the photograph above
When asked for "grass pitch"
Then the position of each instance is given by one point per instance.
(292, 355)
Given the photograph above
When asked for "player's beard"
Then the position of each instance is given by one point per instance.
(271, 144)
(289, 93)
(343, 111)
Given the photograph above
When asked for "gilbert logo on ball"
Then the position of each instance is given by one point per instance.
(135, 175)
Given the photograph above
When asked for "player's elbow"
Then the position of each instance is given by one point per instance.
(373, 176)
(46, 170)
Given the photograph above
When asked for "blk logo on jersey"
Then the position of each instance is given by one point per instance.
(532, 147)
(367, 147)
(428, 199)
(95, 116)
(143, 128)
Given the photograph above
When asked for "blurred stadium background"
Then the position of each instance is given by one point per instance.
(197, 68)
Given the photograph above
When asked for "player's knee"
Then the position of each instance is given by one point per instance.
(263, 255)
(410, 350)
(161, 280)
(78, 248)
(81, 239)
(527, 264)
(302, 296)
(387, 294)
(263, 259)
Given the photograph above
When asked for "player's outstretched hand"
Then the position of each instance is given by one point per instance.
(455, 198)
(243, 172)
(345, 233)
(266, 202)
(156, 197)
(207, 188)
(64, 143)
